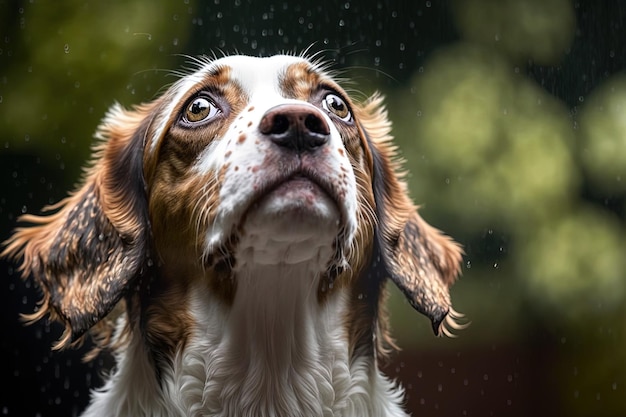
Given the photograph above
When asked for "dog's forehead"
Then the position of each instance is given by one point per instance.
(254, 74)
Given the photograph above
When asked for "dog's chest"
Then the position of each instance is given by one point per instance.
(274, 352)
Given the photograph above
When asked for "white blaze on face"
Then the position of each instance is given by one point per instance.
(297, 216)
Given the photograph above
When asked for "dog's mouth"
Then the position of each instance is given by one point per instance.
(292, 219)
(300, 197)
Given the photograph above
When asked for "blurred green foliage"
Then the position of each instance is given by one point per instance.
(66, 62)
(531, 185)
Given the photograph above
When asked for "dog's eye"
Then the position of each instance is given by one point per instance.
(200, 109)
(334, 104)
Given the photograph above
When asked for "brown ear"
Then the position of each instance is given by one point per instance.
(419, 259)
(88, 249)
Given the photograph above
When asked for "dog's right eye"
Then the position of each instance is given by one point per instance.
(200, 109)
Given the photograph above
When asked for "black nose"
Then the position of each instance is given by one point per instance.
(295, 126)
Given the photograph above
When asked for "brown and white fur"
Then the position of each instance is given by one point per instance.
(231, 241)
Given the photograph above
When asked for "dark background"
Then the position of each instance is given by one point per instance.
(511, 115)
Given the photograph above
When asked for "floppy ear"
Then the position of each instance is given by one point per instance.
(419, 259)
(88, 249)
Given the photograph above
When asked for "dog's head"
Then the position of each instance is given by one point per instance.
(243, 162)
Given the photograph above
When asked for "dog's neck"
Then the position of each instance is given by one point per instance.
(281, 352)
(276, 312)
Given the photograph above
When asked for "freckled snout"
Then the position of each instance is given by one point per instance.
(298, 127)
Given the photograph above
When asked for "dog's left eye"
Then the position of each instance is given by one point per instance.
(334, 104)
(200, 109)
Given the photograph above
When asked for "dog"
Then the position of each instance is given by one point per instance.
(230, 244)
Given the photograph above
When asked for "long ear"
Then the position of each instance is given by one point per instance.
(88, 249)
(419, 259)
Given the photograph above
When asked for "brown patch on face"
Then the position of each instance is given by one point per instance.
(190, 143)
(300, 81)
(181, 211)
(183, 201)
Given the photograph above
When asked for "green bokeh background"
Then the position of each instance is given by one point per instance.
(511, 115)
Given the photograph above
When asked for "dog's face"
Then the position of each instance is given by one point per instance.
(242, 164)
(258, 162)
